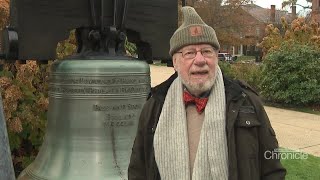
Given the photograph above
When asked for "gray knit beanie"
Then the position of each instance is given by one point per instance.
(192, 31)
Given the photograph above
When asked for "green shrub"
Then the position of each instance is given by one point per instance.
(25, 99)
(250, 73)
(131, 48)
(225, 68)
(291, 75)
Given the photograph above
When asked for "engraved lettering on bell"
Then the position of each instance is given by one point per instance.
(121, 107)
(79, 90)
(118, 117)
(97, 90)
(119, 123)
(110, 80)
(92, 121)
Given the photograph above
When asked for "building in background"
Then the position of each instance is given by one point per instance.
(253, 20)
(240, 28)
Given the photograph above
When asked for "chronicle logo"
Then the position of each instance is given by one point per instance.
(285, 154)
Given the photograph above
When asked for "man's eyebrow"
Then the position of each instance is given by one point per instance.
(193, 49)
(207, 47)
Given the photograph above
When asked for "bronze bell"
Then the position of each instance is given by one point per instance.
(94, 107)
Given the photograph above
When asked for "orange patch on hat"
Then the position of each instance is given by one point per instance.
(195, 31)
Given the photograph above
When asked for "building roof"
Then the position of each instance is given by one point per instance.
(264, 14)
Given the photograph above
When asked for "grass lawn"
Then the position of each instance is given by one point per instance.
(302, 169)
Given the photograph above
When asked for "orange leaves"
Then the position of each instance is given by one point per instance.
(4, 12)
(26, 73)
(13, 93)
(9, 107)
(304, 32)
(299, 31)
(4, 4)
(316, 40)
(25, 100)
(24, 94)
(297, 23)
(43, 103)
(315, 27)
(272, 39)
(15, 125)
(5, 82)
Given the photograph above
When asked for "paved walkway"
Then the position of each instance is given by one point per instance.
(294, 130)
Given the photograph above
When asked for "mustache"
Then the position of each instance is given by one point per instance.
(202, 71)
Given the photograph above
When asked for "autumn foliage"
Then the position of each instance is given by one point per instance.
(299, 32)
(25, 99)
(291, 64)
(4, 12)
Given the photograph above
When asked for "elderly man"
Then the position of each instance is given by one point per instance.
(199, 125)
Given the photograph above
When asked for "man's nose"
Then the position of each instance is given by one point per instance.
(199, 60)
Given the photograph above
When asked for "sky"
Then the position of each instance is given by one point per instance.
(268, 3)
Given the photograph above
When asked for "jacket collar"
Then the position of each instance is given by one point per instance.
(232, 89)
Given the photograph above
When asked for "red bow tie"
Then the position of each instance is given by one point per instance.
(199, 102)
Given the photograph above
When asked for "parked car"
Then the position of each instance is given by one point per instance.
(225, 57)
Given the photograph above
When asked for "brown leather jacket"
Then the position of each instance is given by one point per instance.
(249, 136)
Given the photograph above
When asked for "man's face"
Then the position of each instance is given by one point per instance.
(197, 73)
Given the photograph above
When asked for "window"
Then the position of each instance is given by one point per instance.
(258, 31)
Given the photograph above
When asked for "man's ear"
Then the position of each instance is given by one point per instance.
(174, 62)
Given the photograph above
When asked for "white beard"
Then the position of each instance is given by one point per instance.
(197, 89)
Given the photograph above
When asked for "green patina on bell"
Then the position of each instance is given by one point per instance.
(94, 108)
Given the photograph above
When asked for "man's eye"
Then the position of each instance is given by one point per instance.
(206, 52)
(189, 53)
